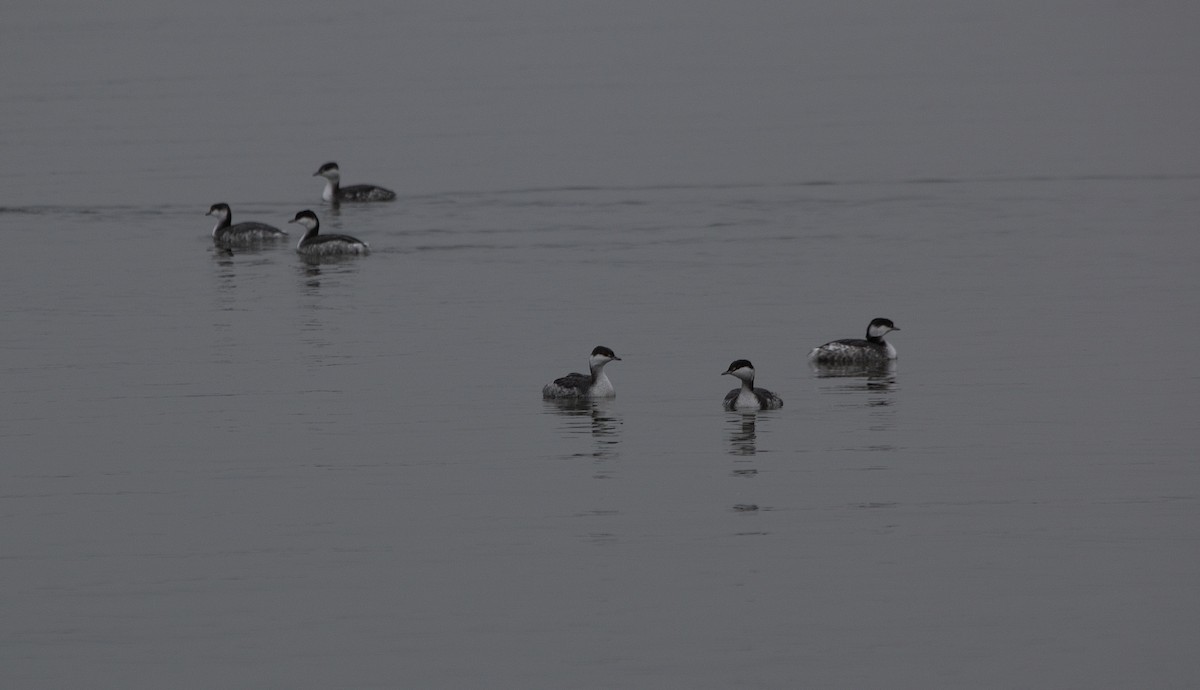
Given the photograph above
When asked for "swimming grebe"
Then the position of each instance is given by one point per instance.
(593, 385)
(312, 244)
(242, 234)
(335, 193)
(854, 351)
(748, 397)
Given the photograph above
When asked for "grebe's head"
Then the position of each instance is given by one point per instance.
(741, 368)
(880, 328)
(329, 171)
(602, 355)
(221, 210)
(306, 218)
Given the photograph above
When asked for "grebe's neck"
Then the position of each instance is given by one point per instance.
(310, 224)
(224, 220)
(601, 386)
(596, 367)
(879, 328)
(331, 190)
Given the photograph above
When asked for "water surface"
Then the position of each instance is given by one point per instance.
(255, 471)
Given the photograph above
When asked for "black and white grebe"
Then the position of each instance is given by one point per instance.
(335, 193)
(854, 351)
(227, 234)
(591, 385)
(748, 397)
(313, 244)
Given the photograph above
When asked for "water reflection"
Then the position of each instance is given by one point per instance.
(227, 257)
(313, 263)
(596, 419)
(236, 275)
(226, 275)
(878, 381)
(743, 432)
(870, 388)
(874, 372)
(312, 269)
(235, 270)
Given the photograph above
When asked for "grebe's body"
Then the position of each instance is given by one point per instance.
(874, 350)
(594, 384)
(314, 244)
(335, 193)
(227, 234)
(748, 397)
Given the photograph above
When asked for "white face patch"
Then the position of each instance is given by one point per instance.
(743, 373)
(306, 221)
(878, 331)
(598, 361)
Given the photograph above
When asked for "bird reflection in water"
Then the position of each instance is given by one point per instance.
(870, 388)
(743, 432)
(316, 272)
(596, 419)
(877, 381)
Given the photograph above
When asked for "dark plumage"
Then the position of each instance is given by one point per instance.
(592, 385)
(857, 351)
(748, 397)
(314, 244)
(335, 193)
(226, 234)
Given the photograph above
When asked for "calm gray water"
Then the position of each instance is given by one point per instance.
(250, 471)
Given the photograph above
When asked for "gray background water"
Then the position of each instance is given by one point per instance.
(247, 471)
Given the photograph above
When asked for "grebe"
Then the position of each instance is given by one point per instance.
(312, 244)
(242, 234)
(854, 351)
(749, 397)
(335, 193)
(592, 385)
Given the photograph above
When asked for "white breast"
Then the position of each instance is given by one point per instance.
(746, 399)
(602, 388)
